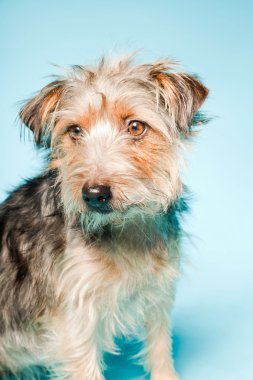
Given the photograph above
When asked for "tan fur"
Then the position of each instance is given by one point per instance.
(118, 270)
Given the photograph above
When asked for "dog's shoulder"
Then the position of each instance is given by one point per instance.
(31, 216)
(32, 198)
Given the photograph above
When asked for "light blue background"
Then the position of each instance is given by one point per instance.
(213, 327)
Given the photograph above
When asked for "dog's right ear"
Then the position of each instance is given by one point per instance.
(38, 111)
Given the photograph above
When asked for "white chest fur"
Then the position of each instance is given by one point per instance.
(114, 290)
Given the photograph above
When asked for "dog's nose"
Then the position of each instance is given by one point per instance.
(97, 196)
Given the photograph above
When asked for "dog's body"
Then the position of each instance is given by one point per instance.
(91, 249)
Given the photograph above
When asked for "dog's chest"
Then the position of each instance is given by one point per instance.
(118, 286)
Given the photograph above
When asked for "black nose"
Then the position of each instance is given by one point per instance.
(97, 196)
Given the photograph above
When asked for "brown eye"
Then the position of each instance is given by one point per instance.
(74, 131)
(137, 128)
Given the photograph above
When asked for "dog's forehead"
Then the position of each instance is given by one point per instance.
(107, 88)
(116, 94)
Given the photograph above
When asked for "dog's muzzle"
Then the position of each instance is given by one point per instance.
(97, 197)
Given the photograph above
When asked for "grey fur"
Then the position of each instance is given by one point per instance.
(32, 241)
(60, 261)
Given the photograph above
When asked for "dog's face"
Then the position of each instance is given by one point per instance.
(115, 132)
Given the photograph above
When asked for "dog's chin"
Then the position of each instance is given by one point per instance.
(94, 220)
(101, 210)
(104, 214)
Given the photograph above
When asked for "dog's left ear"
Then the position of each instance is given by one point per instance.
(183, 94)
(38, 111)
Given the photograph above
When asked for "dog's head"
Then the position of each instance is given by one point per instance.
(115, 133)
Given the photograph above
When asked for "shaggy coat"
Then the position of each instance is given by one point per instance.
(73, 277)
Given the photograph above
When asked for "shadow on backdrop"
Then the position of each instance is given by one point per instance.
(123, 366)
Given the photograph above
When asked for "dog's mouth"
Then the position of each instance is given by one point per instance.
(101, 209)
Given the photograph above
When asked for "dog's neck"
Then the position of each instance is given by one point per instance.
(138, 231)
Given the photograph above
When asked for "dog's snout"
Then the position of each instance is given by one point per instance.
(96, 196)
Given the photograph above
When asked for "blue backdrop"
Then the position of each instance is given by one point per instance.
(213, 329)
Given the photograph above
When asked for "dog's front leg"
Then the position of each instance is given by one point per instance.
(78, 351)
(81, 362)
(159, 348)
(84, 369)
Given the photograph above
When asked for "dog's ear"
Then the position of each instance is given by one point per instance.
(182, 94)
(38, 111)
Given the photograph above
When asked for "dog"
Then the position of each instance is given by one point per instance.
(90, 249)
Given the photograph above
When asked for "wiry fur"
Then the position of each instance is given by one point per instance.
(72, 279)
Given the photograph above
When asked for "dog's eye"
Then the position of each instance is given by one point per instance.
(74, 131)
(137, 128)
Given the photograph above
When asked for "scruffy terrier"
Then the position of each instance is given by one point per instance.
(90, 249)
